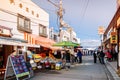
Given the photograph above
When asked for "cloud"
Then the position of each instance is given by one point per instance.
(90, 43)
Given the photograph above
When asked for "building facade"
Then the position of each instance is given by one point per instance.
(112, 34)
(24, 16)
(69, 35)
(18, 18)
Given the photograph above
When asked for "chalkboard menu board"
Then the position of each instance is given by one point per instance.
(18, 66)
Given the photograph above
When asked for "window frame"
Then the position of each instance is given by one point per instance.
(42, 30)
(22, 26)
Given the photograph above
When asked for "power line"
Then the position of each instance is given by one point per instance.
(16, 22)
(15, 14)
(7, 21)
(36, 5)
(47, 9)
(84, 8)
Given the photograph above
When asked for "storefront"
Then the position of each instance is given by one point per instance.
(4, 49)
(118, 36)
(107, 44)
(118, 49)
(113, 29)
(46, 50)
(7, 46)
(45, 43)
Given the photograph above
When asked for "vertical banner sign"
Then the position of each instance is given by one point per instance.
(113, 38)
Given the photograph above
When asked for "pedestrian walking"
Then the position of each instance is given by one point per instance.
(79, 55)
(95, 56)
(98, 55)
(75, 54)
(114, 53)
(102, 55)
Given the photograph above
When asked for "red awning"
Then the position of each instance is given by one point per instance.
(55, 48)
(34, 39)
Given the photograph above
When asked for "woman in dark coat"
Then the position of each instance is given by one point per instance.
(95, 56)
(102, 55)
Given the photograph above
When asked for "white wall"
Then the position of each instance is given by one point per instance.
(65, 35)
(8, 20)
(78, 40)
(73, 35)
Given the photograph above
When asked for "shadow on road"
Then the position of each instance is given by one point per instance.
(47, 71)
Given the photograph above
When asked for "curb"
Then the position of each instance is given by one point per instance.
(112, 71)
(108, 73)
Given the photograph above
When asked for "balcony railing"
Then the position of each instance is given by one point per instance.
(43, 35)
(24, 29)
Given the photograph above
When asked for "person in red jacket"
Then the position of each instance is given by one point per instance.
(109, 56)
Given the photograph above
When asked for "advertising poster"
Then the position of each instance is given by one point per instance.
(16, 66)
(19, 65)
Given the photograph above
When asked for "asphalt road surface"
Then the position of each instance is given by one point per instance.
(88, 70)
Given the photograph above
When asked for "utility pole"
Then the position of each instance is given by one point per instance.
(60, 14)
(70, 31)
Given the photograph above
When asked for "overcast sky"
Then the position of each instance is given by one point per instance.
(85, 16)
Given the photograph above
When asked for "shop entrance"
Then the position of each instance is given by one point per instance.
(5, 51)
(1, 56)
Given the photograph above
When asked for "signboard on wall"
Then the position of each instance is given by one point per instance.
(5, 32)
(113, 38)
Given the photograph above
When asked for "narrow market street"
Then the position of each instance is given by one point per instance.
(59, 39)
(88, 70)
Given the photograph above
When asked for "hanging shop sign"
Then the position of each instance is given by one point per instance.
(113, 38)
(101, 30)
